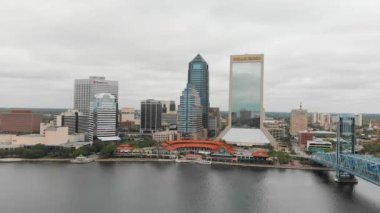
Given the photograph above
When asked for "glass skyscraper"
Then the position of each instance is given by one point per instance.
(190, 114)
(151, 115)
(246, 111)
(102, 119)
(198, 77)
(246, 91)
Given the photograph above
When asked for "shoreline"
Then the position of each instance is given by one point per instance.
(105, 160)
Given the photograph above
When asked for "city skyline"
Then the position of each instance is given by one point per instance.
(327, 59)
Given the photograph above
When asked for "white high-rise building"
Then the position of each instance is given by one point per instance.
(359, 120)
(86, 89)
(103, 116)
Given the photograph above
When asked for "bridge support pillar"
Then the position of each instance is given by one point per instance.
(345, 178)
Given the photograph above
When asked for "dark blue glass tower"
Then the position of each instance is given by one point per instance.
(198, 78)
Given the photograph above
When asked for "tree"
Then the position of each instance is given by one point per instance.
(108, 150)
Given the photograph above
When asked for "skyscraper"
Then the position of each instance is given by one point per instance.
(214, 121)
(190, 114)
(198, 76)
(74, 120)
(298, 121)
(246, 113)
(359, 120)
(86, 89)
(151, 112)
(168, 107)
(103, 116)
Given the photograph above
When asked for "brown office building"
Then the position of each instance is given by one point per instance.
(304, 137)
(298, 121)
(20, 121)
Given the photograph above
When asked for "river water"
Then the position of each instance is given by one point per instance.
(173, 188)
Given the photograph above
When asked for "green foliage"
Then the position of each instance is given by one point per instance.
(372, 148)
(40, 151)
(269, 147)
(282, 157)
(108, 150)
(146, 142)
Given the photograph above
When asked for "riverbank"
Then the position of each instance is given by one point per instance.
(298, 167)
(15, 160)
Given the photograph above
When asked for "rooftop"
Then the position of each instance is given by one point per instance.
(246, 137)
(115, 138)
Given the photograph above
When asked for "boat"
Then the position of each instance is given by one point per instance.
(207, 162)
(81, 159)
(177, 160)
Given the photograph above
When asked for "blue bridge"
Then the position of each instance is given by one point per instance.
(345, 161)
(350, 165)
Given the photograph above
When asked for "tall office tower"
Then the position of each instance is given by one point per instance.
(315, 117)
(359, 120)
(298, 121)
(103, 116)
(214, 121)
(86, 89)
(198, 77)
(190, 114)
(151, 111)
(169, 114)
(74, 120)
(246, 112)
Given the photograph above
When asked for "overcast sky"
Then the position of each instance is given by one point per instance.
(324, 53)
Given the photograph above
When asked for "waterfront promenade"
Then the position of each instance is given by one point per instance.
(102, 160)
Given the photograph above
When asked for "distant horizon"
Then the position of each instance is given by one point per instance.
(64, 108)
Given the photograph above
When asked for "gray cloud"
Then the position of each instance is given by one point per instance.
(323, 53)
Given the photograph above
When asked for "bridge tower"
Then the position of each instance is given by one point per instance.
(345, 144)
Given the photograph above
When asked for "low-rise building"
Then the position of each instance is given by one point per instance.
(53, 136)
(20, 121)
(318, 145)
(214, 121)
(124, 148)
(165, 136)
(304, 137)
(277, 133)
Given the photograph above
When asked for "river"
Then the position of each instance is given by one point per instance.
(116, 187)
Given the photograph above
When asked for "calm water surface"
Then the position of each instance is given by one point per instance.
(173, 188)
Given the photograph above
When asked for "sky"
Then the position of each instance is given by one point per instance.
(324, 53)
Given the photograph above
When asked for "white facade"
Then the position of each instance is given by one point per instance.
(168, 107)
(127, 114)
(86, 89)
(53, 136)
(103, 116)
(359, 120)
(318, 144)
(165, 136)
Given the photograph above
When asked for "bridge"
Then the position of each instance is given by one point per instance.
(347, 164)
(362, 166)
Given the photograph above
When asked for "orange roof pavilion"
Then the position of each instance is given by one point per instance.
(212, 146)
